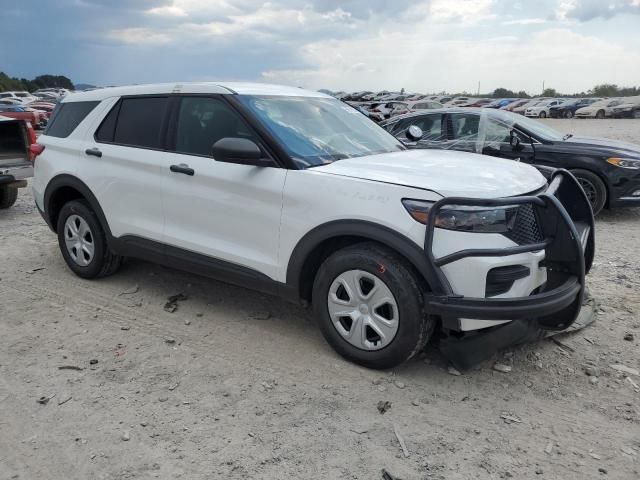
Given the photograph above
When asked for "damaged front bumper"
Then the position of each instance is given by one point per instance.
(566, 220)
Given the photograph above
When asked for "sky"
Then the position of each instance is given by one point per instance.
(419, 45)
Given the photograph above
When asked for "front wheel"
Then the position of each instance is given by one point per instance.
(543, 115)
(370, 306)
(593, 187)
(600, 114)
(8, 197)
(83, 242)
(569, 114)
(636, 114)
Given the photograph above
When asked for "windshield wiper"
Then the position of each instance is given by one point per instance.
(567, 136)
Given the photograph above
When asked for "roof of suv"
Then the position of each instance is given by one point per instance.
(228, 88)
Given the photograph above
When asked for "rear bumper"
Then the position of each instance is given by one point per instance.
(566, 221)
(13, 173)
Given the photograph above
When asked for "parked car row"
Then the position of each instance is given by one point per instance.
(35, 107)
(383, 105)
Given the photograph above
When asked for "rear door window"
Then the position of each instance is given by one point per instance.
(67, 116)
(140, 121)
(464, 129)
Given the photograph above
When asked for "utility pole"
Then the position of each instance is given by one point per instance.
(478, 87)
(542, 86)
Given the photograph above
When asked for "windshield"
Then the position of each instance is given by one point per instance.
(316, 131)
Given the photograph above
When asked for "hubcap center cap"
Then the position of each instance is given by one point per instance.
(364, 309)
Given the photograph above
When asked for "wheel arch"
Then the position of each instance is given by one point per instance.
(64, 188)
(603, 178)
(322, 241)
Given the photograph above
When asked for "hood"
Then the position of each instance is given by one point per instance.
(605, 146)
(446, 172)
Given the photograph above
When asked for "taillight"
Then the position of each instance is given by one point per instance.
(35, 149)
(31, 132)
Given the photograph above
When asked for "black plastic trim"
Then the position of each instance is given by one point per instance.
(371, 231)
(568, 257)
(65, 180)
(181, 259)
(533, 306)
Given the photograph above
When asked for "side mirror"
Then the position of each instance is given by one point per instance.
(414, 133)
(239, 150)
(514, 141)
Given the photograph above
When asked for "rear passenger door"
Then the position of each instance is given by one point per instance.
(123, 166)
(224, 211)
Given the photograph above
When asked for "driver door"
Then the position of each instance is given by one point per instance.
(225, 211)
(497, 142)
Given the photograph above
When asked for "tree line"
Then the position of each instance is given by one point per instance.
(603, 90)
(41, 81)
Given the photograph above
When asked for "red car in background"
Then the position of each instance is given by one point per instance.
(46, 108)
(37, 119)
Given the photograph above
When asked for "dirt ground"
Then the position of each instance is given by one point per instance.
(238, 385)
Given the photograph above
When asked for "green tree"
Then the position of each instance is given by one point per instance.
(41, 81)
(605, 90)
(503, 93)
(549, 92)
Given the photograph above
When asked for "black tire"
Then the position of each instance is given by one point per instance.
(104, 262)
(594, 187)
(543, 115)
(569, 114)
(8, 196)
(600, 115)
(415, 326)
(636, 114)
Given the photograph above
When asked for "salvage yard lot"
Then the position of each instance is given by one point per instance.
(233, 384)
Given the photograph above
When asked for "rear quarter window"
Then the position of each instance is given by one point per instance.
(67, 116)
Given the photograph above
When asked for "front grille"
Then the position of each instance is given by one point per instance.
(526, 229)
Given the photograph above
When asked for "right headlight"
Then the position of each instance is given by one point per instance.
(465, 219)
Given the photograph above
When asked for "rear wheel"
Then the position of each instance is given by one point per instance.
(636, 114)
(593, 187)
(568, 114)
(370, 306)
(8, 196)
(83, 242)
(600, 114)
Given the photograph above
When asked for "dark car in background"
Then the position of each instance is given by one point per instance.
(608, 170)
(630, 108)
(568, 109)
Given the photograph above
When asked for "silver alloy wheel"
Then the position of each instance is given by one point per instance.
(79, 240)
(363, 310)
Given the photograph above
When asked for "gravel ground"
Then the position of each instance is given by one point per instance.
(238, 385)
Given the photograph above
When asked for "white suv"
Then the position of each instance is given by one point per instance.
(295, 193)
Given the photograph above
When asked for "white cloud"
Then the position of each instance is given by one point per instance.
(585, 10)
(168, 11)
(139, 36)
(461, 11)
(566, 60)
(526, 21)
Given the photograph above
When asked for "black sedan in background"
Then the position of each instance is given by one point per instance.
(608, 170)
(568, 109)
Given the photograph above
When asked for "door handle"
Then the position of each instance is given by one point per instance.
(182, 168)
(93, 151)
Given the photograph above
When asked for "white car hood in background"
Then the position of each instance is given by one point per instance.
(449, 173)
